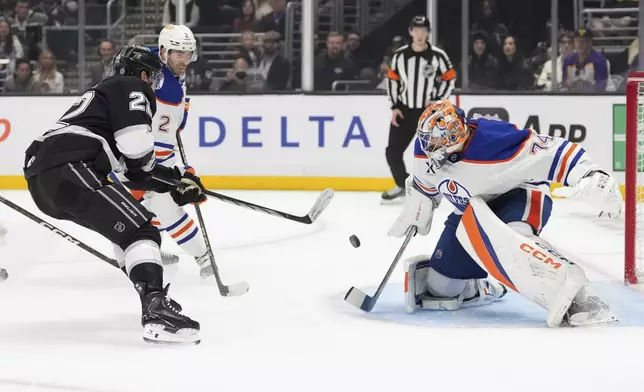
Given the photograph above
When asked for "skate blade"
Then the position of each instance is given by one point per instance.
(593, 323)
(398, 200)
(589, 319)
(156, 333)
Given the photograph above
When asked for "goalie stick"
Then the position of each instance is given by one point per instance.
(230, 290)
(361, 300)
(58, 231)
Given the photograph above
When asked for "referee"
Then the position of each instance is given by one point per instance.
(419, 74)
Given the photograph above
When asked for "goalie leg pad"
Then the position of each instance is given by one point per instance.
(423, 282)
(426, 288)
(525, 263)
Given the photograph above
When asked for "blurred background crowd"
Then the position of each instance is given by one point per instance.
(254, 46)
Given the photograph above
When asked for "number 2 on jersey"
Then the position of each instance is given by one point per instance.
(81, 105)
(138, 101)
(164, 121)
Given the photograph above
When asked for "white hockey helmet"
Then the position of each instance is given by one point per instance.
(177, 37)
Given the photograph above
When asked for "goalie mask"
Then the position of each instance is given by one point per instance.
(441, 131)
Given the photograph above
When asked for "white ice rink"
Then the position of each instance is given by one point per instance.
(70, 322)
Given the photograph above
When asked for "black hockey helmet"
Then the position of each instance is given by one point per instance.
(133, 59)
(419, 21)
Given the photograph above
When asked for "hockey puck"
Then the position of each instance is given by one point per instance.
(355, 241)
(3, 274)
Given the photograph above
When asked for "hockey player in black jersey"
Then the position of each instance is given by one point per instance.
(109, 129)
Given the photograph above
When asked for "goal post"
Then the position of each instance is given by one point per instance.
(634, 249)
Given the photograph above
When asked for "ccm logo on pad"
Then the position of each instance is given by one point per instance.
(543, 254)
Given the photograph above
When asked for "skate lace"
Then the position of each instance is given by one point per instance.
(169, 306)
(168, 303)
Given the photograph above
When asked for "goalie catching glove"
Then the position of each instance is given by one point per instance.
(418, 211)
(191, 190)
(596, 188)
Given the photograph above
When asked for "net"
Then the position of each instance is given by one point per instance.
(634, 175)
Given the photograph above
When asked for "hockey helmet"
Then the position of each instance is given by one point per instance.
(177, 37)
(442, 126)
(133, 59)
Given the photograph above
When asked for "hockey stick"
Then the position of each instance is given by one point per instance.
(58, 231)
(361, 300)
(320, 205)
(235, 288)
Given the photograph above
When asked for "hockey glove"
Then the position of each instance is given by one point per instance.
(599, 189)
(418, 211)
(190, 192)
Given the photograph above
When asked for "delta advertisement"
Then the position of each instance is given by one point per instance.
(314, 142)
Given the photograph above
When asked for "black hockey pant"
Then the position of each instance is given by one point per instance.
(78, 193)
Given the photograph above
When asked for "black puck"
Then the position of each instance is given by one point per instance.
(355, 241)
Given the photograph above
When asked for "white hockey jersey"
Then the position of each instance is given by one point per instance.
(498, 158)
(170, 116)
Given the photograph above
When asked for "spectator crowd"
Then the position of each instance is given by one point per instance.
(253, 56)
(495, 63)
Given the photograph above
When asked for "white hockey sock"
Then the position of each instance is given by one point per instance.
(185, 232)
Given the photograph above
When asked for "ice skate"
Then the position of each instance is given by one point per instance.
(162, 322)
(394, 195)
(169, 258)
(587, 311)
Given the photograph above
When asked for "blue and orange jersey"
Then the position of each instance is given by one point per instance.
(497, 158)
(169, 117)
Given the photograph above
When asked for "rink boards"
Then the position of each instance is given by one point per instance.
(308, 142)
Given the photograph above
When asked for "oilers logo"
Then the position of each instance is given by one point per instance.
(455, 193)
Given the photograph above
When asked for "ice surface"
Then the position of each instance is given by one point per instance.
(70, 322)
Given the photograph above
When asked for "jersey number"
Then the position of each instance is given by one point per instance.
(163, 125)
(140, 102)
(541, 143)
(81, 105)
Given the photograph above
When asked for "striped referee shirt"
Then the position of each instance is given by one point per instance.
(418, 78)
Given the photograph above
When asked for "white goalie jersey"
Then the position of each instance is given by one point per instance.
(498, 158)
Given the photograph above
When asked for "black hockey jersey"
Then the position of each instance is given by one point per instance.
(110, 125)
